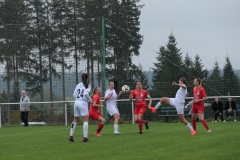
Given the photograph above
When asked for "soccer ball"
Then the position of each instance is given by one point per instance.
(125, 88)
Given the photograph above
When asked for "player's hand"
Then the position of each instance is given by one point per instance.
(102, 106)
(195, 101)
(131, 91)
(174, 84)
(121, 92)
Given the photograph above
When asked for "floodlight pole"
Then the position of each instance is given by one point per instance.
(103, 64)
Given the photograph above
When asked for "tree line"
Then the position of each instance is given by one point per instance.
(38, 37)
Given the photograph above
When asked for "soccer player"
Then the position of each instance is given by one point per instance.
(94, 110)
(199, 96)
(82, 96)
(111, 100)
(140, 105)
(178, 102)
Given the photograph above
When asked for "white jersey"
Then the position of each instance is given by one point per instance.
(112, 101)
(81, 93)
(181, 95)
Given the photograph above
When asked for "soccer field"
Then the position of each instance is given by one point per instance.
(161, 141)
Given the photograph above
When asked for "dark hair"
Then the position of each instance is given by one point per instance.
(138, 82)
(199, 81)
(110, 82)
(184, 80)
(85, 79)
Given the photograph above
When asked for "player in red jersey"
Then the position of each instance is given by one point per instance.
(199, 96)
(94, 110)
(140, 105)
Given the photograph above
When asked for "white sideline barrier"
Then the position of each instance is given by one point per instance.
(35, 123)
(127, 100)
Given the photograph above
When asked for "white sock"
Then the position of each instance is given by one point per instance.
(158, 105)
(116, 127)
(189, 127)
(73, 127)
(85, 129)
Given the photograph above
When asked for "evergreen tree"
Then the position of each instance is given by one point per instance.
(230, 80)
(168, 67)
(188, 67)
(198, 70)
(121, 46)
(60, 14)
(215, 81)
(141, 76)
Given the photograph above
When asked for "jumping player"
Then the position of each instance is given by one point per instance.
(199, 96)
(94, 110)
(82, 96)
(140, 105)
(177, 102)
(111, 100)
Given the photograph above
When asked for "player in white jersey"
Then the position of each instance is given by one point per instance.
(111, 100)
(82, 96)
(177, 102)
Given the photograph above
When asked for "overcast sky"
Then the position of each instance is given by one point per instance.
(209, 28)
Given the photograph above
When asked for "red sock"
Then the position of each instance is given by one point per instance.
(143, 121)
(140, 125)
(194, 125)
(205, 124)
(100, 126)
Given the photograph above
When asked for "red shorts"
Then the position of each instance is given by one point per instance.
(198, 109)
(95, 116)
(140, 109)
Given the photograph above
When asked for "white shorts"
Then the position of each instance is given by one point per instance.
(179, 106)
(113, 110)
(80, 109)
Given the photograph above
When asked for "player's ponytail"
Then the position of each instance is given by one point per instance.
(184, 80)
(85, 79)
(199, 81)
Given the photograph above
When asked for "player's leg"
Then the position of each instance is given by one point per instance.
(85, 128)
(158, 105)
(75, 120)
(200, 117)
(140, 122)
(116, 117)
(194, 117)
(187, 124)
(142, 111)
(113, 111)
(180, 111)
(100, 125)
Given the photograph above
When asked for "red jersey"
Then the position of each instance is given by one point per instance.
(93, 109)
(199, 93)
(140, 96)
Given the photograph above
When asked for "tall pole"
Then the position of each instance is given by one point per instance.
(103, 64)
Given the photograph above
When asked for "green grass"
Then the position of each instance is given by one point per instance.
(161, 141)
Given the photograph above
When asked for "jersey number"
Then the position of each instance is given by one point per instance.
(80, 93)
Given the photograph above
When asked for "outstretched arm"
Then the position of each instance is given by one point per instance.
(180, 85)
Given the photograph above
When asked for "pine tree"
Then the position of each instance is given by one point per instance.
(168, 67)
(141, 76)
(198, 71)
(121, 46)
(215, 81)
(188, 67)
(230, 80)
